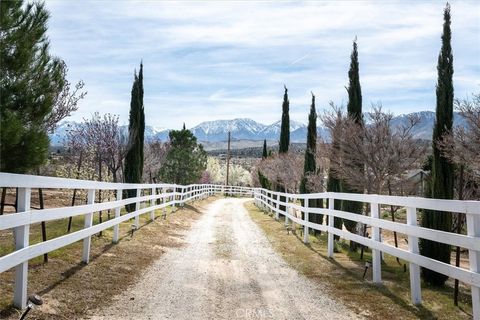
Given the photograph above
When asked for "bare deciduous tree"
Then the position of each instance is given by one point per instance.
(462, 146)
(283, 169)
(385, 151)
(155, 152)
(93, 146)
(66, 101)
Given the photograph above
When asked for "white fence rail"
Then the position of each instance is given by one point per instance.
(270, 200)
(149, 197)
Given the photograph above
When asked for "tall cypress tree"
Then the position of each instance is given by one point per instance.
(136, 130)
(141, 117)
(310, 165)
(354, 109)
(264, 183)
(284, 137)
(285, 125)
(442, 169)
(264, 152)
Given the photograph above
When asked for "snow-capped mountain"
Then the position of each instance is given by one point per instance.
(248, 129)
(423, 130)
(57, 138)
(241, 129)
(153, 132)
(274, 128)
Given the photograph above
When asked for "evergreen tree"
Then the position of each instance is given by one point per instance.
(284, 138)
(136, 130)
(354, 109)
(141, 122)
(30, 81)
(264, 183)
(285, 125)
(442, 169)
(264, 152)
(310, 165)
(186, 160)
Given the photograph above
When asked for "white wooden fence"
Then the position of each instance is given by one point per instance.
(145, 202)
(172, 195)
(270, 200)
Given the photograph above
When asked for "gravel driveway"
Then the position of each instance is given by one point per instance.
(226, 270)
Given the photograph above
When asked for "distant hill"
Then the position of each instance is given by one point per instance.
(248, 133)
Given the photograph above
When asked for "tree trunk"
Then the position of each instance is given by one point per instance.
(459, 230)
(392, 212)
(44, 228)
(79, 165)
(100, 192)
(2, 203)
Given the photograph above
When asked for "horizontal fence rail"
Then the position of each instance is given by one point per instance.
(149, 197)
(287, 205)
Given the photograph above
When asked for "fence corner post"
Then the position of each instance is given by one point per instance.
(415, 283)
(473, 230)
(376, 254)
(117, 215)
(331, 225)
(22, 235)
(88, 223)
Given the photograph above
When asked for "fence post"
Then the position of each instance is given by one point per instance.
(277, 206)
(287, 200)
(137, 207)
(331, 225)
(152, 204)
(263, 197)
(259, 198)
(415, 284)
(88, 224)
(182, 204)
(164, 201)
(21, 235)
(117, 215)
(272, 204)
(306, 203)
(174, 197)
(473, 230)
(376, 254)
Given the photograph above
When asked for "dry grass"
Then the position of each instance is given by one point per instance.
(70, 288)
(343, 277)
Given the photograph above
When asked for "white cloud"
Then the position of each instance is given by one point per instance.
(218, 59)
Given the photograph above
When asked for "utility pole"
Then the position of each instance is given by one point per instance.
(228, 159)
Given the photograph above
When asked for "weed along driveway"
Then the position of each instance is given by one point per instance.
(227, 270)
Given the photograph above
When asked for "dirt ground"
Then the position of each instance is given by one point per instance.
(71, 289)
(227, 270)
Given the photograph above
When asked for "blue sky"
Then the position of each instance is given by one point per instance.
(224, 60)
